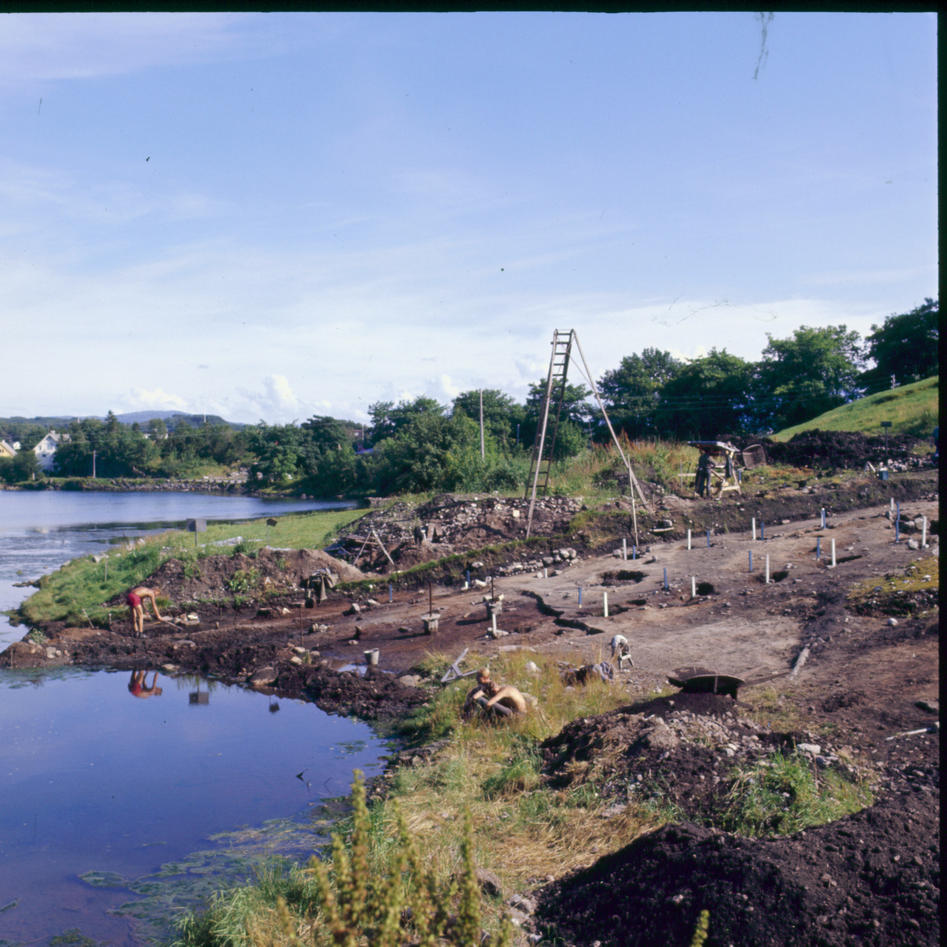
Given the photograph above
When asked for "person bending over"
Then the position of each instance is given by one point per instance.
(135, 599)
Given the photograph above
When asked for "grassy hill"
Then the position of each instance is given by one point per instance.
(911, 409)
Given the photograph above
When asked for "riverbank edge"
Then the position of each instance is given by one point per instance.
(385, 727)
(213, 486)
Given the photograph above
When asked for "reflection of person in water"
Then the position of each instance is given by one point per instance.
(138, 685)
(493, 698)
(135, 599)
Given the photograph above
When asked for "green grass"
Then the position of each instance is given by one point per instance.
(77, 592)
(911, 409)
(479, 801)
(787, 793)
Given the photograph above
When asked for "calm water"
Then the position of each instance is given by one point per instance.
(116, 812)
(41, 530)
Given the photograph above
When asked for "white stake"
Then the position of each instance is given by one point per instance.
(688, 539)
(923, 534)
(767, 570)
(833, 552)
(754, 528)
(493, 623)
(624, 549)
(605, 604)
(693, 587)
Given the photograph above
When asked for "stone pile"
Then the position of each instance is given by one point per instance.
(450, 523)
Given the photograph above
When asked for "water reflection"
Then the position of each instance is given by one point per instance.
(199, 696)
(138, 685)
(74, 810)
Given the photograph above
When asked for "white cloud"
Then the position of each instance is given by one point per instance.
(156, 398)
(49, 46)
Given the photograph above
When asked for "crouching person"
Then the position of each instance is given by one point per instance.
(493, 699)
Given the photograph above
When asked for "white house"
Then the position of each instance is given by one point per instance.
(45, 450)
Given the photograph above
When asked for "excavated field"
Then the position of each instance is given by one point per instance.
(859, 676)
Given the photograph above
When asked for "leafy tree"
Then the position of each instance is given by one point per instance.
(23, 466)
(327, 456)
(388, 418)
(632, 392)
(574, 419)
(802, 377)
(708, 398)
(275, 450)
(905, 347)
(502, 416)
(436, 453)
(158, 429)
(114, 450)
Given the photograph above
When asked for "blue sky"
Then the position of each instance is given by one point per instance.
(270, 216)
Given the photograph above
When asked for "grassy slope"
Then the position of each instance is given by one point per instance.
(76, 592)
(911, 409)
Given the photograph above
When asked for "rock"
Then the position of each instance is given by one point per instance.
(489, 883)
(813, 749)
(893, 622)
(263, 677)
(524, 904)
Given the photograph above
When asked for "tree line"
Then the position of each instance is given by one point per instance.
(421, 445)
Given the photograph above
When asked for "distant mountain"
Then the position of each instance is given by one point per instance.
(174, 419)
(19, 427)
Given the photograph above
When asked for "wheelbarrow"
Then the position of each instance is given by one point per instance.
(702, 681)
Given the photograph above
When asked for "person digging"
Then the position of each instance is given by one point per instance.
(135, 598)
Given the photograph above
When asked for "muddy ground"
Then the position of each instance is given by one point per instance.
(861, 678)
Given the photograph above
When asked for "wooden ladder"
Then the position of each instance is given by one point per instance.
(544, 446)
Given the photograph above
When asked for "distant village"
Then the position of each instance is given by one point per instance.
(45, 450)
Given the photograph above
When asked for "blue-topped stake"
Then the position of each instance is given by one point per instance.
(750, 556)
(666, 578)
(708, 538)
(818, 547)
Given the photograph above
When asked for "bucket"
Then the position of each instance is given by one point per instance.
(882, 474)
(371, 657)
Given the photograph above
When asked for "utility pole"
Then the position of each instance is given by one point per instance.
(483, 452)
(93, 465)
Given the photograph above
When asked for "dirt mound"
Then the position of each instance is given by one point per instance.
(681, 751)
(446, 525)
(872, 878)
(266, 573)
(826, 449)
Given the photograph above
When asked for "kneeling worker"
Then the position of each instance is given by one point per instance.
(493, 698)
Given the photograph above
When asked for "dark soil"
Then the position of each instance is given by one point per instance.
(872, 878)
(867, 696)
(841, 449)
